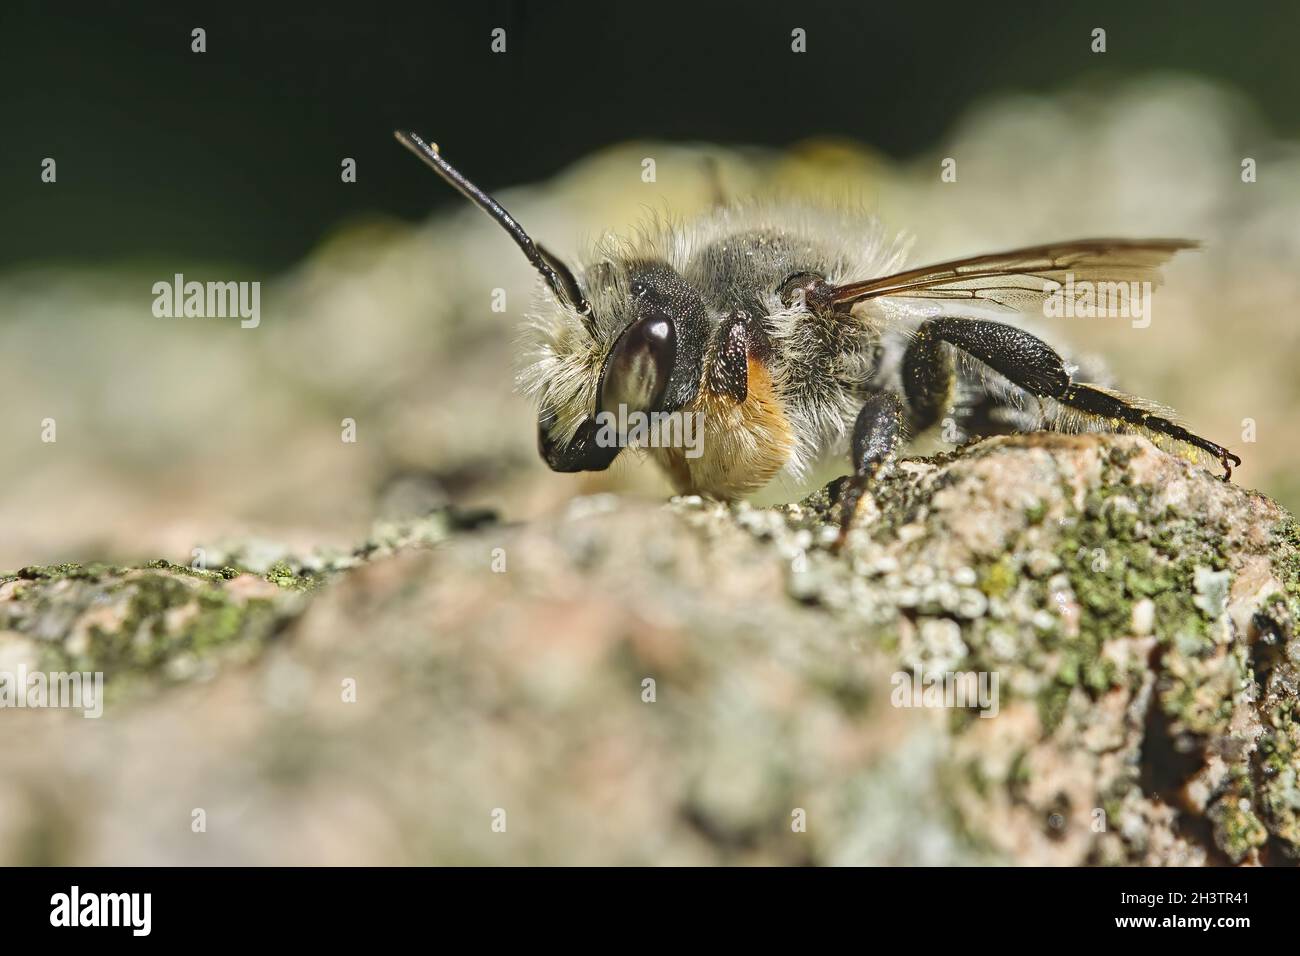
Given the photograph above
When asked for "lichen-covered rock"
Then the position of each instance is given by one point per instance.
(697, 683)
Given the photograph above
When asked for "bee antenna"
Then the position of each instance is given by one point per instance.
(559, 278)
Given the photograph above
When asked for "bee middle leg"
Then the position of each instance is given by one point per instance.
(877, 432)
(1027, 362)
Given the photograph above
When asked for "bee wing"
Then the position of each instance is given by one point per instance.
(1023, 278)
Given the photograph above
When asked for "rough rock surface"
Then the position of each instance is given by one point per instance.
(694, 683)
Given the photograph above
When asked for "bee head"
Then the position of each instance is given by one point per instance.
(642, 353)
(633, 342)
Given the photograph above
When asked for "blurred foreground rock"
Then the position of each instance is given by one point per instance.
(694, 683)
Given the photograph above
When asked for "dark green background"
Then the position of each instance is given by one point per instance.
(234, 154)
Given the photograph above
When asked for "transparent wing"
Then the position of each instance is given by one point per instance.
(1023, 278)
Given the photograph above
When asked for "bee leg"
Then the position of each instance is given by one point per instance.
(740, 337)
(1117, 408)
(1021, 358)
(1028, 363)
(876, 434)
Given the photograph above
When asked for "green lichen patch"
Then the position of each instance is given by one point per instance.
(219, 574)
(142, 624)
(1237, 830)
(282, 575)
(166, 622)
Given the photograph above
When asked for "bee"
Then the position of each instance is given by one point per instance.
(793, 332)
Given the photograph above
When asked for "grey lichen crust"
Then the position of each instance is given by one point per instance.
(1140, 615)
(697, 682)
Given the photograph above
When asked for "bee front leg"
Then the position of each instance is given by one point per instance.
(876, 435)
(740, 337)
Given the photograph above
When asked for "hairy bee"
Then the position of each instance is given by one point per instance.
(791, 333)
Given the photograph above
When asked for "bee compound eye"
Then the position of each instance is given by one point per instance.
(640, 365)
